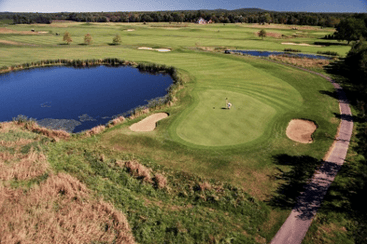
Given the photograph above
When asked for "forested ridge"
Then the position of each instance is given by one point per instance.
(248, 15)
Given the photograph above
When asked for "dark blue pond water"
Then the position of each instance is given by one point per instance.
(268, 53)
(81, 97)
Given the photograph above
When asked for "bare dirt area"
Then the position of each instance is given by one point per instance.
(149, 123)
(300, 130)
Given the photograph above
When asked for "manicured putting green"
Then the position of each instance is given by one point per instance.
(211, 124)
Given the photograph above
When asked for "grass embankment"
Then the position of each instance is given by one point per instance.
(251, 152)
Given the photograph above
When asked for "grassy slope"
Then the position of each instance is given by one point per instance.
(246, 166)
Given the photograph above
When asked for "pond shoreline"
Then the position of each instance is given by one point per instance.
(69, 124)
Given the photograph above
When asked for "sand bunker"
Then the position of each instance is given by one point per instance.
(130, 30)
(158, 49)
(301, 130)
(163, 50)
(149, 123)
(300, 44)
(145, 48)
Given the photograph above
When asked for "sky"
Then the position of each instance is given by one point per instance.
(355, 6)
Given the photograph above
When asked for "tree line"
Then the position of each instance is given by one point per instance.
(216, 16)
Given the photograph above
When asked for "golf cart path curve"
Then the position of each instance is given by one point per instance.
(296, 226)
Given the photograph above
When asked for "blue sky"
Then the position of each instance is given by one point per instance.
(148, 5)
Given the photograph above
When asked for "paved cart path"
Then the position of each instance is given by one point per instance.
(296, 226)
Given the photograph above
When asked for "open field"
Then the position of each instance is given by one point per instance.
(200, 148)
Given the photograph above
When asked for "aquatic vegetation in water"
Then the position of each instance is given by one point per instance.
(86, 117)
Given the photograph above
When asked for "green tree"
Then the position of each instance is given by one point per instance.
(116, 40)
(67, 38)
(350, 29)
(262, 34)
(88, 39)
(356, 64)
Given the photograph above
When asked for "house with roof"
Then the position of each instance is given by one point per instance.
(201, 21)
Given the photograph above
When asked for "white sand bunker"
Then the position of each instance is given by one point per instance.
(149, 123)
(163, 50)
(301, 130)
(145, 48)
(300, 44)
(158, 49)
(130, 30)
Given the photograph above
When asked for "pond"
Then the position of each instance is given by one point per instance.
(268, 53)
(77, 99)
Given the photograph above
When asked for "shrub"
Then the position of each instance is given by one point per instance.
(88, 39)
(328, 53)
(291, 50)
(116, 40)
(67, 38)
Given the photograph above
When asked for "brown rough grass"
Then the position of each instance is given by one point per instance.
(270, 34)
(302, 62)
(138, 170)
(118, 120)
(205, 186)
(95, 130)
(54, 134)
(59, 211)
(160, 180)
(18, 142)
(29, 166)
(4, 30)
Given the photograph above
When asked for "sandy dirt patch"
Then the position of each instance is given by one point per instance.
(300, 130)
(149, 123)
(130, 30)
(300, 44)
(157, 49)
(145, 48)
(163, 50)
(42, 32)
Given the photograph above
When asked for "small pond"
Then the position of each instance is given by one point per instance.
(268, 53)
(77, 99)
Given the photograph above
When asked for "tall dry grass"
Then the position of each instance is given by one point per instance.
(160, 180)
(205, 186)
(59, 210)
(118, 120)
(54, 134)
(29, 166)
(301, 62)
(95, 130)
(138, 170)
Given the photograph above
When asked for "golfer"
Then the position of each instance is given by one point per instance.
(229, 105)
